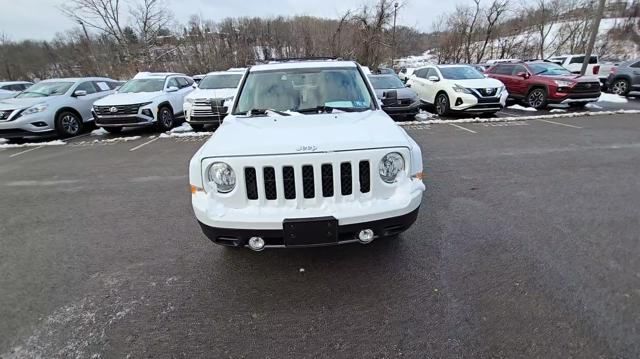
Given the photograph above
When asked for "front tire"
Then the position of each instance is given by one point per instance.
(537, 98)
(68, 124)
(620, 87)
(166, 120)
(442, 105)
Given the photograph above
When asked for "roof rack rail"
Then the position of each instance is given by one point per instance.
(296, 59)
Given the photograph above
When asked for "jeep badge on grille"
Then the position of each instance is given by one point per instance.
(307, 148)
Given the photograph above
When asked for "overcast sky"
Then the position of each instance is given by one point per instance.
(40, 19)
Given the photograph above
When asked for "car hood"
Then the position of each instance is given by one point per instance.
(241, 136)
(212, 93)
(572, 77)
(128, 98)
(403, 93)
(478, 83)
(22, 103)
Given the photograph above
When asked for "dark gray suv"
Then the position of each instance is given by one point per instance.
(625, 78)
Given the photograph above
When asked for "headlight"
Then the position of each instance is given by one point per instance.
(390, 165)
(561, 83)
(190, 100)
(35, 109)
(500, 89)
(458, 88)
(223, 176)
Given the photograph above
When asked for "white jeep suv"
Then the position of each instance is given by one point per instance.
(306, 158)
(210, 102)
(458, 88)
(147, 99)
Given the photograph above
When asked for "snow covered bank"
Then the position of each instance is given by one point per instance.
(21, 145)
(185, 134)
(521, 108)
(521, 118)
(609, 97)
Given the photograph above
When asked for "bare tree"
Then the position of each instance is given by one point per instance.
(493, 15)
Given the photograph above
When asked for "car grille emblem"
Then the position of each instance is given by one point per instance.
(113, 109)
(307, 148)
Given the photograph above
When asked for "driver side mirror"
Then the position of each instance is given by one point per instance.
(524, 75)
(172, 89)
(390, 98)
(80, 93)
(433, 78)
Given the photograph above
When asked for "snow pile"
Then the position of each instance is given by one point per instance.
(521, 108)
(185, 127)
(593, 106)
(558, 110)
(607, 97)
(185, 134)
(21, 145)
(424, 115)
(3, 140)
(99, 132)
(521, 118)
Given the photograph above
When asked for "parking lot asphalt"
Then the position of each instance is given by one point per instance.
(526, 246)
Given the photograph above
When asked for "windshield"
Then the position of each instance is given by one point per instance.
(46, 89)
(142, 85)
(549, 69)
(460, 73)
(220, 81)
(305, 90)
(386, 82)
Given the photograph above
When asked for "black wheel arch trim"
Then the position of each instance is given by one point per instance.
(68, 109)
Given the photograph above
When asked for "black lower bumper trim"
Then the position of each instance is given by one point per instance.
(17, 133)
(275, 237)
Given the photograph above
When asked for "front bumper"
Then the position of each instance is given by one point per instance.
(34, 125)
(275, 238)
(403, 110)
(576, 97)
(205, 115)
(463, 102)
(138, 120)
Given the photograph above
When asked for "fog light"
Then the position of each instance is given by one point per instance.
(459, 101)
(39, 124)
(256, 243)
(365, 236)
(147, 112)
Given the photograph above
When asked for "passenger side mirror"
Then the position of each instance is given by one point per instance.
(80, 93)
(172, 89)
(390, 98)
(524, 75)
(433, 78)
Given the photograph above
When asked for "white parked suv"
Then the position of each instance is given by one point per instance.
(458, 88)
(147, 99)
(210, 102)
(306, 158)
(56, 106)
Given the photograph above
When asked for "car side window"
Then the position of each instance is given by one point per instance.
(418, 73)
(518, 69)
(577, 60)
(432, 72)
(189, 80)
(102, 86)
(173, 83)
(503, 70)
(636, 65)
(87, 86)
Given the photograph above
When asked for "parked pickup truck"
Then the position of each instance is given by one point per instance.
(573, 63)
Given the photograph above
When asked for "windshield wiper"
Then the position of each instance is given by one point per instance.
(329, 109)
(263, 111)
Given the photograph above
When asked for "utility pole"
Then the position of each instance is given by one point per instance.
(89, 47)
(594, 35)
(393, 49)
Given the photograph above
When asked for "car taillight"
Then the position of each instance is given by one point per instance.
(596, 69)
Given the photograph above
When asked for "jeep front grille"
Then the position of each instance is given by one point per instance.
(276, 186)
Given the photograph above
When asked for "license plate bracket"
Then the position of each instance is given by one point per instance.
(310, 231)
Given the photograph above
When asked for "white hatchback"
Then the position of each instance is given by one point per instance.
(458, 88)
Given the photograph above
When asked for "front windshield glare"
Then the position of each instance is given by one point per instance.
(386, 82)
(46, 89)
(461, 73)
(212, 82)
(304, 90)
(142, 85)
(548, 69)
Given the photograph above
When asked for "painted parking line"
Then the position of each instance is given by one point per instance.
(144, 144)
(26, 151)
(559, 123)
(462, 128)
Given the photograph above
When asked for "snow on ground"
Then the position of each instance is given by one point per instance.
(99, 132)
(558, 110)
(117, 139)
(423, 115)
(520, 118)
(593, 106)
(609, 97)
(185, 134)
(521, 108)
(21, 145)
(185, 127)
